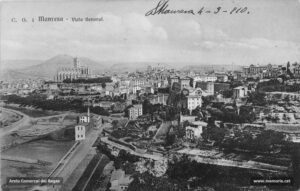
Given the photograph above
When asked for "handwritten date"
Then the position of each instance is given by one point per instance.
(162, 8)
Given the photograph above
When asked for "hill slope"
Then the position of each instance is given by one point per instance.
(48, 68)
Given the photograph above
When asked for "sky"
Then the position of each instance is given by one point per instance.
(270, 33)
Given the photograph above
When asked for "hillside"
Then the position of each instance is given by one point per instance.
(18, 64)
(47, 69)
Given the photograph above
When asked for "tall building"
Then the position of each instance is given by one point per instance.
(205, 78)
(240, 92)
(195, 130)
(135, 111)
(194, 99)
(79, 132)
(185, 82)
(78, 71)
(173, 79)
(208, 87)
(255, 69)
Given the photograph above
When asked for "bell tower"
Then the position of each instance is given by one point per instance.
(76, 62)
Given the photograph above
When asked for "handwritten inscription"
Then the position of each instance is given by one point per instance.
(162, 8)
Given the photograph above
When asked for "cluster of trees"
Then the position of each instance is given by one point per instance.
(224, 114)
(100, 80)
(148, 182)
(214, 133)
(235, 84)
(200, 175)
(276, 85)
(166, 112)
(170, 138)
(227, 93)
(40, 102)
(115, 98)
(149, 108)
(274, 119)
(263, 142)
(163, 90)
(122, 160)
(98, 110)
(257, 98)
(119, 133)
(206, 100)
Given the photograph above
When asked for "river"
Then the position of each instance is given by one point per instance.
(46, 150)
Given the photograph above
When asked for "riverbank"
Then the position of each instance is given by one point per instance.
(7, 118)
(36, 150)
(30, 111)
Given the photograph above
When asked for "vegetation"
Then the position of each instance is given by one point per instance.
(225, 114)
(180, 129)
(257, 98)
(227, 93)
(170, 138)
(274, 85)
(32, 112)
(147, 182)
(264, 142)
(202, 175)
(214, 133)
(99, 110)
(235, 84)
(123, 158)
(101, 80)
(206, 100)
(40, 102)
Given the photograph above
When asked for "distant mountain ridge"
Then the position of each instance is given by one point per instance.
(24, 69)
(18, 64)
(47, 69)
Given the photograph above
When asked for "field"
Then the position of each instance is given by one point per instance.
(32, 112)
(7, 118)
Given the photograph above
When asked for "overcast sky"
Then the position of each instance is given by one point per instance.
(270, 33)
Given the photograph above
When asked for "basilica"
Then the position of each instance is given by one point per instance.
(76, 72)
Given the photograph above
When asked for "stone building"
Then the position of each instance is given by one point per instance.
(76, 72)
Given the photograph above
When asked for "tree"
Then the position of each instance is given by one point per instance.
(148, 182)
(286, 99)
(147, 107)
(115, 124)
(257, 98)
(100, 111)
(129, 168)
(216, 134)
(89, 80)
(227, 93)
(206, 100)
(103, 85)
(235, 84)
(108, 186)
(170, 139)
(179, 131)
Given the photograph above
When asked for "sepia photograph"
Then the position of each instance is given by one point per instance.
(150, 95)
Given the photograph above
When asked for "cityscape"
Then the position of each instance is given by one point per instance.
(158, 128)
(140, 95)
